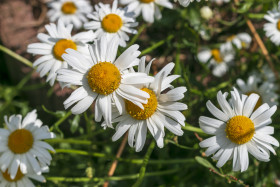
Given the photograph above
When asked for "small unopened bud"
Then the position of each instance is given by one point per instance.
(206, 13)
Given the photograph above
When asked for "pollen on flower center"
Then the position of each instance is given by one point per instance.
(147, 1)
(216, 55)
(20, 141)
(18, 176)
(68, 8)
(112, 23)
(104, 78)
(259, 102)
(149, 108)
(60, 47)
(278, 25)
(240, 129)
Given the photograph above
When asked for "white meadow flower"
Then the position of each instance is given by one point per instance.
(263, 89)
(206, 12)
(238, 129)
(112, 22)
(241, 40)
(21, 145)
(54, 44)
(186, 3)
(219, 60)
(104, 79)
(70, 11)
(272, 29)
(20, 180)
(148, 8)
(161, 111)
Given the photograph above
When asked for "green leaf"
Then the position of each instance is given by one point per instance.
(74, 123)
(205, 163)
(58, 114)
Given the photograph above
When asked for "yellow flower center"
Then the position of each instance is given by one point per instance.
(147, 1)
(240, 129)
(229, 39)
(112, 23)
(260, 101)
(217, 55)
(60, 47)
(7, 176)
(104, 78)
(278, 25)
(20, 141)
(149, 108)
(69, 8)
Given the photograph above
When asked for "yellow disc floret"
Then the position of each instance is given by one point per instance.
(18, 176)
(259, 102)
(149, 108)
(104, 78)
(278, 25)
(217, 55)
(147, 1)
(68, 8)
(112, 23)
(240, 129)
(20, 141)
(60, 47)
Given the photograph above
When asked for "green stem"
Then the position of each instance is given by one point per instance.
(193, 129)
(16, 56)
(156, 45)
(180, 146)
(71, 141)
(114, 178)
(144, 165)
(131, 161)
(61, 120)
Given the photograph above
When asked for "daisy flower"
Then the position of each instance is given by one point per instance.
(103, 79)
(266, 74)
(20, 180)
(263, 89)
(162, 110)
(272, 29)
(148, 8)
(112, 22)
(186, 3)
(238, 130)
(241, 40)
(70, 11)
(54, 45)
(219, 59)
(21, 145)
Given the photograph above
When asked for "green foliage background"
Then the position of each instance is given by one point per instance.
(85, 152)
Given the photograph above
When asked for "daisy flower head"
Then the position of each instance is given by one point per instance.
(272, 29)
(241, 40)
(21, 180)
(263, 89)
(238, 129)
(104, 79)
(112, 22)
(219, 59)
(161, 111)
(21, 146)
(148, 8)
(54, 44)
(70, 11)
